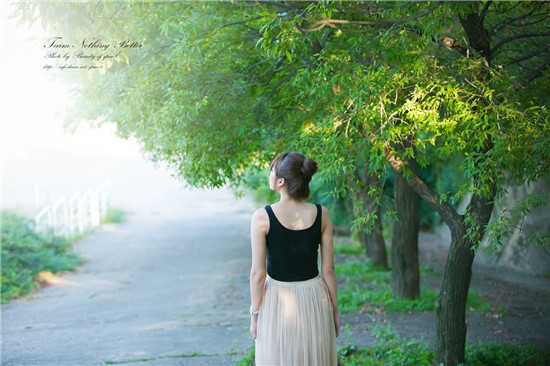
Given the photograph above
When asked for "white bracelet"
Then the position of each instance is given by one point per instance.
(253, 312)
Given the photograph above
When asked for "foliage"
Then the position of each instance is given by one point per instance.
(443, 176)
(342, 246)
(220, 87)
(500, 354)
(396, 351)
(114, 216)
(26, 253)
(248, 360)
(368, 289)
(392, 350)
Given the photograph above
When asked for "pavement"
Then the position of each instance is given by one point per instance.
(158, 287)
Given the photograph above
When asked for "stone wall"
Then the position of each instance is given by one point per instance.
(516, 252)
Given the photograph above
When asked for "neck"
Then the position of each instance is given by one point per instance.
(285, 198)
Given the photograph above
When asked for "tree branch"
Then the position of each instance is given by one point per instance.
(484, 11)
(161, 48)
(509, 21)
(518, 36)
(277, 4)
(277, 85)
(238, 22)
(452, 44)
(446, 211)
(332, 22)
(535, 74)
(526, 57)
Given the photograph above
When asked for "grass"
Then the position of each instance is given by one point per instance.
(342, 246)
(368, 289)
(392, 350)
(26, 253)
(248, 360)
(114, 216)
(500, 354)
(396, 351)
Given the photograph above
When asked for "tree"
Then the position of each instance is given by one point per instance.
(404, 254)
(220, 87)
(364, 196)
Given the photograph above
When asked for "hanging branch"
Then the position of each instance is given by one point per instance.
(535, 74)
(389, 23)
(518, 36)
(528, 56)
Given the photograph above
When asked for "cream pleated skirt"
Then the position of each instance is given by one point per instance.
(296, 325)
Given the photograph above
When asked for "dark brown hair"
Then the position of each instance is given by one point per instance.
(297, 170)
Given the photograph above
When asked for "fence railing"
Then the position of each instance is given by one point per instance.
(75, 214)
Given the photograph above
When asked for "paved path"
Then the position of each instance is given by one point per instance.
(168, 286)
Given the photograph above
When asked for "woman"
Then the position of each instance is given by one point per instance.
(294, 311)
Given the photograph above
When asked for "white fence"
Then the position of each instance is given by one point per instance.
(75, 214)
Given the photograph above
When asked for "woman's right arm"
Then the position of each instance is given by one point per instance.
(258, 231)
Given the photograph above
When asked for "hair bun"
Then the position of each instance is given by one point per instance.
(297, 170)
(309, 167)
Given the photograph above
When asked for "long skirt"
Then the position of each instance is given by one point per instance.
(296, 324)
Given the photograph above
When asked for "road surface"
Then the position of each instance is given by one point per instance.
(168, 287)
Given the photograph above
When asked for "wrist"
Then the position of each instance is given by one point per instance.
(253, 312)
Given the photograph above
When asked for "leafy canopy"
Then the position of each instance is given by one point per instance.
(221, 87)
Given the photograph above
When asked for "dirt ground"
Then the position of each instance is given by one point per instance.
(525, 299)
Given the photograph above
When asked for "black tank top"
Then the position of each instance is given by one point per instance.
(292, 254)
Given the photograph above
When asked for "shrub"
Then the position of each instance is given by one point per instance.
(25, 253)
(500, 354)
(396, 351)
(114, 216)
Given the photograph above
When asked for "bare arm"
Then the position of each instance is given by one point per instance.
(258, 231)
(327, 265)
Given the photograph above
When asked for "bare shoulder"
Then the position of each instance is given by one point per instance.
(311, 209)
(260, 214)
(325, 212)
(260, 219)
(326, 221)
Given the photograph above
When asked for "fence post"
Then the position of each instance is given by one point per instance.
(94, 208)
(80, 214)
(70, 216)
(75, 213)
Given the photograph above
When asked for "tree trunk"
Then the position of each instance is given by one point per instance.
(373, 240)
(478, 37)
(451, 304)
(404, 247)
(450, 312)
(451, 326)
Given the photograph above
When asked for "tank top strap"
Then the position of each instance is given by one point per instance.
(319, 218)
(271, 215)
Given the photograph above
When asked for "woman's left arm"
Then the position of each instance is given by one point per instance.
(327, 265)
(258, 231)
